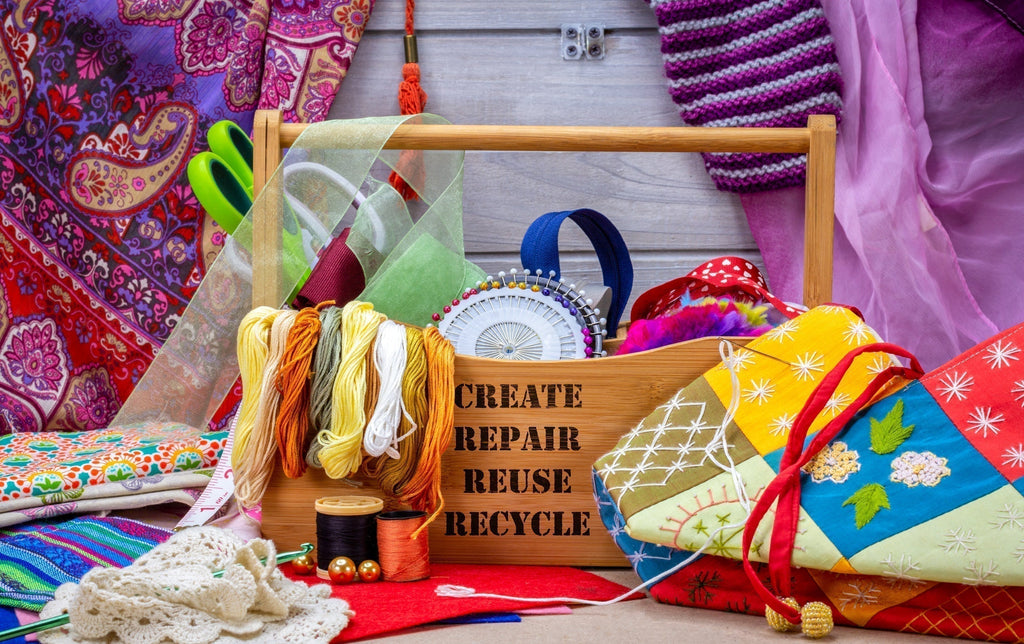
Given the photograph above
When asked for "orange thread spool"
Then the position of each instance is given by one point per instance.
(404, 555)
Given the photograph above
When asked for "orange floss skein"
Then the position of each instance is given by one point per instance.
(423, 490)
(293, 380)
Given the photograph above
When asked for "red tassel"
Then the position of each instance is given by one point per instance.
(411, 100)
(411, 97)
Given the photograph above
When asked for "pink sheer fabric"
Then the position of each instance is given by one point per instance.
(929, 175)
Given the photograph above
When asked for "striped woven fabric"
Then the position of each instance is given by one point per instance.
(39, 557)
(758, 63)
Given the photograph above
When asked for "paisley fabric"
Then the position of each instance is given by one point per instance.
(102, 243)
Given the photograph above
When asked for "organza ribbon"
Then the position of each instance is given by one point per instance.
(408, 276)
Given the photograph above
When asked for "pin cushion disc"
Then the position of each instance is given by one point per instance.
(523, 317)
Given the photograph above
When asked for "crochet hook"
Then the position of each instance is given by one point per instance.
(60, 620)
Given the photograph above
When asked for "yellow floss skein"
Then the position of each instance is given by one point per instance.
(341, 453)
(252, 475)
(252, 346)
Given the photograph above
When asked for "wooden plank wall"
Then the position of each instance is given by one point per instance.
(501, 63)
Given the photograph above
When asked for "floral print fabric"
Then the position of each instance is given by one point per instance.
(102, 243)
(50, 468)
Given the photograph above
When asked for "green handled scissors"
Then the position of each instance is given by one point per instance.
(221, 178)
(222, 181)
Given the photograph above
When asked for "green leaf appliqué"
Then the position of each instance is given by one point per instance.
(889, 433)
(867, 501)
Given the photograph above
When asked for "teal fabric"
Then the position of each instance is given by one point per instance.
(39, 557)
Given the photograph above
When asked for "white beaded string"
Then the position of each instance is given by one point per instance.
(389, 357)
(729, 362)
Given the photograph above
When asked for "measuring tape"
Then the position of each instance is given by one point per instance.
(217, 492)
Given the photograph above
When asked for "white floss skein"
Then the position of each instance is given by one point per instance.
(389, 357)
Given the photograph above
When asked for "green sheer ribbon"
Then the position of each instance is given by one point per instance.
(412, 264)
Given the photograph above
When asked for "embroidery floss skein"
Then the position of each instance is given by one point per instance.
(404, 554)
(326, 361)
(372, 382)
(252, 345)
(252, 474)
(391, 474)
(346, 526)
(293, 382)
(389, 357)
(423, 490)
(340, 453)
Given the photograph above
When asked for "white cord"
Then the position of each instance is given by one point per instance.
(389, 357)
(343, 185)
(729, 361)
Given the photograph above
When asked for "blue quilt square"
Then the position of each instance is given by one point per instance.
(898, 463)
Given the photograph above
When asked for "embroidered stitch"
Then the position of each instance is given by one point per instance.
(807, 364)
(1014, 456)
(1000, 356)
(956, 385)
(759, 392)
(981, 574)
(984, 421)
(918, 468)
(1009, 517)
(836, 463)
(959, 541)
(890, 432)
(867, 501)
(899, 571)
(781, 425)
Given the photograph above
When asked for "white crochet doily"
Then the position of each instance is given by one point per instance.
(171, 595)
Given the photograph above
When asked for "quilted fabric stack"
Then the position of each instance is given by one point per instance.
(909, 515)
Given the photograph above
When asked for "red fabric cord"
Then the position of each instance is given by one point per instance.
(411, 100)
(785, 487)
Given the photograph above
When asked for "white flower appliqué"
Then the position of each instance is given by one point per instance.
(918, 468)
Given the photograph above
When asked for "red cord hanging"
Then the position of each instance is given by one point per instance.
(411, 100)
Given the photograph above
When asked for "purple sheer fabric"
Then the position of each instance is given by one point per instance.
(929, 175)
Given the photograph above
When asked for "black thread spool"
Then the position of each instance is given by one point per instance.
(346, 526)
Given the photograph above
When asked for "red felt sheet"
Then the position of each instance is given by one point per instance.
(385, 607)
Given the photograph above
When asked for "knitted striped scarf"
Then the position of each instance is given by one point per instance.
(754, 63)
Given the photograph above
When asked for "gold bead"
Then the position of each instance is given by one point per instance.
(816, 620)
(342, 570)
(535, 288)
(369, 570)
(304, 564)
(777, 621)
